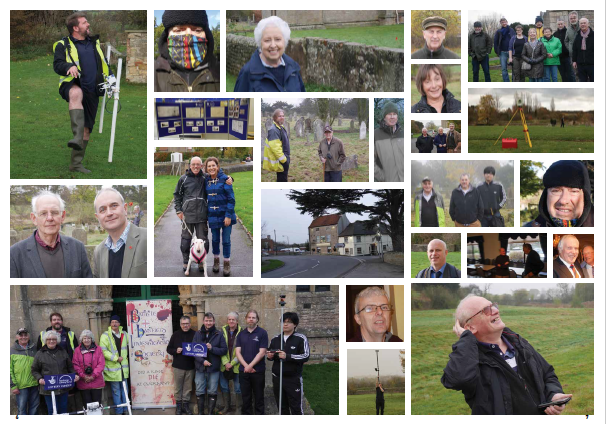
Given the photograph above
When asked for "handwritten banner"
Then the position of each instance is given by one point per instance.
(197, 350)
(59, 381)
(151, 374)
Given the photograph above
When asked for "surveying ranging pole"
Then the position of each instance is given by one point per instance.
(111, 90)
(282, 302)
(377, 368)
(108, 57)
(115, 111)
(520, 109)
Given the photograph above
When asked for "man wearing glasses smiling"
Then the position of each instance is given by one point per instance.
(373, 315)
(46, 254)
(498, 371)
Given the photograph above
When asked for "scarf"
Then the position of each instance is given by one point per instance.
(187, 51)
(533, 44)
(584, 35)
(564, 222)
(206, 333)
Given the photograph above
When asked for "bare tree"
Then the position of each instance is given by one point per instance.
(490, 23)
(552, 105)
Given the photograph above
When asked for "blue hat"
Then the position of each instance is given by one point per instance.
(115, 318)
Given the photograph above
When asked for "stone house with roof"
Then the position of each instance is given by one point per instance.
(324, 232)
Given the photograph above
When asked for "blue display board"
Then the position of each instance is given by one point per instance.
(238, 114)
(216, 116)
(178, 116)
(193, 114)
(168, 119)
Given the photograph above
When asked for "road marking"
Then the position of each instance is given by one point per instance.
(349, 272)
(315, 265)
(290, 275)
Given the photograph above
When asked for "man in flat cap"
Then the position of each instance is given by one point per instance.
(332, 155)
(186, 62)
(434, 33)
(479, 47)
(389, 146)
(566, 200)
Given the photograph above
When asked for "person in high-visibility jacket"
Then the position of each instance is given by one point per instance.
(82, 66)
(276, 153)
(114, 343)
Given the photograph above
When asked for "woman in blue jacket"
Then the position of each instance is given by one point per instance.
(221, 213)
(270, 69)
(440, 141)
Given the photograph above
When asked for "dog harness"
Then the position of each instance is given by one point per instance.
(197, 258)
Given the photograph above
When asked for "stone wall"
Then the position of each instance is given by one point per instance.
(164, 168)
(341, 65)
(136, 57)
(394, 258)
(551, 17)
(312, 19)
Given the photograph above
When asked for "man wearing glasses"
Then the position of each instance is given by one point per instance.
(373, 315)
(498, 371)
(46, 253)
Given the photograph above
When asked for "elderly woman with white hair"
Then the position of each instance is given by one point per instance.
(89, 363)
(270, 69)
(52, 359)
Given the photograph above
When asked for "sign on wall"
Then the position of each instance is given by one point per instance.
(151, 374)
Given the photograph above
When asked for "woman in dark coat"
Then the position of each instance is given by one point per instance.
(52, 359)
(431, 82)
(221, 212)
(533, 53)
(270, 69)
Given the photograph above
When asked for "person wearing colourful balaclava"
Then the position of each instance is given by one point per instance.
(186, 62)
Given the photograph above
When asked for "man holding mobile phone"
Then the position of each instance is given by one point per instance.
(498, 371)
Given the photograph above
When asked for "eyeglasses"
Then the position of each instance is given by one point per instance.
(43, 214)
(373, 308)
(487, 311)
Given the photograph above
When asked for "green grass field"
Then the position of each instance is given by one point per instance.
(306, 166)
(40, 128)
(366, 404)
(563, 336)
(270, 265)
(382, 36)
(164, 187)
(507, 213)
(453, 86)
(321, 387)
(419, 261)
(545, 139)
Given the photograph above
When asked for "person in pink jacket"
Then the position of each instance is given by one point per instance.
(89, 363)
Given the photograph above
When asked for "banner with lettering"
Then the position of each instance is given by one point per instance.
(59, 381)
(197, 350)
(150, 327)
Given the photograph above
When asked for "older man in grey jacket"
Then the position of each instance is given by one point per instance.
(46, 253)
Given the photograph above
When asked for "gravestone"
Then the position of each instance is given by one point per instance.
(351, 124)
(351, 162)
(318, 130)
(300, 127)
(80, 235)
(339, 122)
(307, 125)
(363, 131)
(68, 230)
(287, 126)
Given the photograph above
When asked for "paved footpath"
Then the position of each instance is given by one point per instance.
(168, 261)
(329, 266)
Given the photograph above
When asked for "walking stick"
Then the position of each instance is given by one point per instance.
(324, 171)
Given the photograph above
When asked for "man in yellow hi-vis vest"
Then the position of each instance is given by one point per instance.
(82, 66)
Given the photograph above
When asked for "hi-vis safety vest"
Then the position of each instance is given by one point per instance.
(273, 155)
(113, 368)
(71, 56)
(70, 337)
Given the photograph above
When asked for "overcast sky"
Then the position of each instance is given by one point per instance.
(362, 362)
(503, 288)
(522, 15)
(437, 122)
(565, 98)
(213, 17)
(281, 215)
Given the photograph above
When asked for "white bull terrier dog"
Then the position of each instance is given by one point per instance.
(197, 254)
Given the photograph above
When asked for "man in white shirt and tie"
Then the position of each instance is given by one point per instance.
(565, 265)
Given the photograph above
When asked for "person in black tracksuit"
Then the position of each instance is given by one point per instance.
(466, 206)
(380, 398)
(294, 353)
(494, 198)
